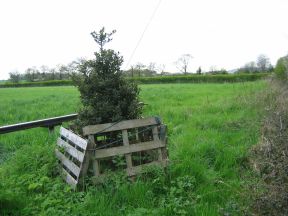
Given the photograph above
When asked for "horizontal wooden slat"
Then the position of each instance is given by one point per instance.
(69, 164)
(79, 141)
(69, 179)
(141, 168)
(104, 153)
(71, 150)
(123, 125)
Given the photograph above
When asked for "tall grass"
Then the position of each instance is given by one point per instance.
(211, 128)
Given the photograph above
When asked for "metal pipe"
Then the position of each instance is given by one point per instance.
(49, 123)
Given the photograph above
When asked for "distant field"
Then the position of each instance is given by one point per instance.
(211, 128)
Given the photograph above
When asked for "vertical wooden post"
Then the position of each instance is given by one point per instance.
(95, 164)
(137, 135)
(156, 138)
(126, 143)
(87, 158)
(163, 139)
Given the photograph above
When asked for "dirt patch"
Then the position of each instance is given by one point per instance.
(270, 157)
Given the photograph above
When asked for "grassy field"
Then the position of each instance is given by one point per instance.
(211, 129)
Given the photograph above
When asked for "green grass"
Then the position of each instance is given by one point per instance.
(211, 128)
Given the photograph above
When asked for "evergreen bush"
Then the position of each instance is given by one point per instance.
(105, 94)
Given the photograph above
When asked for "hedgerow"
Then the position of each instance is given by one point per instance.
(223, 78)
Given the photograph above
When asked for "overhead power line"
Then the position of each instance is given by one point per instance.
(143, 33)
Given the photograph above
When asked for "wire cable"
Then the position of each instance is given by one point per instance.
(116, 141)
(143, 33)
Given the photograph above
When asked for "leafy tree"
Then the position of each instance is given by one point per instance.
(105, 94)
(281, 68)
(199, 71)
(14, 76)
(31, 74)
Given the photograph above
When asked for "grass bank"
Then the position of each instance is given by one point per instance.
(269, 158)
(211, 129)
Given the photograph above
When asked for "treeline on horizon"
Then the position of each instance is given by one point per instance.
(206, 78)
(64, 72)
(61, 74)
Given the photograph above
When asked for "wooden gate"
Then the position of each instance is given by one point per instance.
(131, 138)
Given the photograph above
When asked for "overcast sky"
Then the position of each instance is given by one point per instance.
(222, 34)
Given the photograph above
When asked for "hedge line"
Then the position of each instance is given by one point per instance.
(221, 78)
(37, 84)
(155, 80)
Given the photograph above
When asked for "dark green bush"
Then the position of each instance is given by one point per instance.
(105, 94)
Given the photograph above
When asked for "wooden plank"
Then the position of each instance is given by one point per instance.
(126, 143)
(95, 163)
(155, 134)
(96, 168)
(69, 164)
(121, 150)
(163, 138)
(77, 140)
(156, 138)
(141, 168)
(71, 150)
(123, 125)
(87, 158)
(69, 179)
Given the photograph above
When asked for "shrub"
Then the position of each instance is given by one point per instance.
(281, 68)
(105, 94)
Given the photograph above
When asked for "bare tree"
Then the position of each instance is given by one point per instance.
(139, 67)
(263, 63)
(152, 66)
(249, 67)
(183, 62)
(161, 68)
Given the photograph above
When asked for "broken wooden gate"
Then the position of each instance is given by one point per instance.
(131, 138)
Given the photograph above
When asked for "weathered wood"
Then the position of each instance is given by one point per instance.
(156, 139)
(71, 150)
(77, 140)
(137, 135)
(67, 163)
(87, 156)
(121, 150)
(141, 168)
(123, 125)
(126, 144)
(92, 154)
(163, 139)
(69, 179)
(95, 163)
(96, 167)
